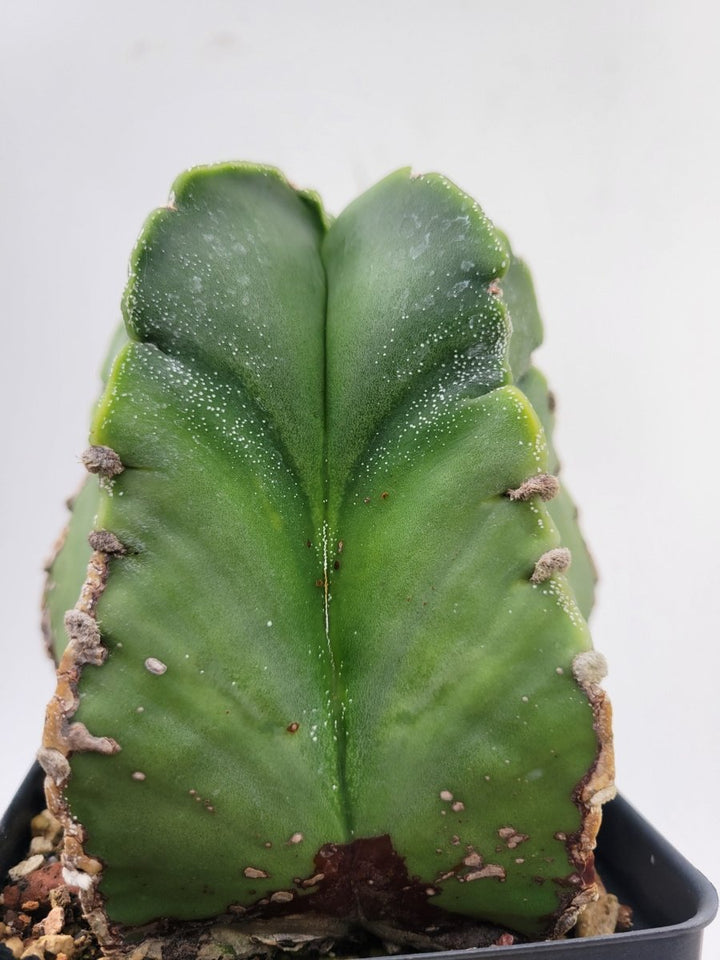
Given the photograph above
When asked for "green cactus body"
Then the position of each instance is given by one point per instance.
(318, 622)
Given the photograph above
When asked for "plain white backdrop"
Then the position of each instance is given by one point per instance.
(589, 132)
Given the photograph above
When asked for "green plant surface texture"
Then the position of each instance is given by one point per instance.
(582, 575)
(68, 567)
(323, 626)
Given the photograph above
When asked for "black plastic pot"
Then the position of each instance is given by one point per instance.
(672, 902)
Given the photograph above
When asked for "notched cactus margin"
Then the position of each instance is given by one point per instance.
(62, 737)
(583, 575)
(598, 787)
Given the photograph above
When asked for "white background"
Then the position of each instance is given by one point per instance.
(589, 132)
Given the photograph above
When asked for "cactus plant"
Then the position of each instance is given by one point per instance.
(329, 658)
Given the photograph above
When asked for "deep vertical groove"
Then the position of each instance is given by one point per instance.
(337, 692)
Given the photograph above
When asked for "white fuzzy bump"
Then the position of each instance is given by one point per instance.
(76, 878)
(589, 668)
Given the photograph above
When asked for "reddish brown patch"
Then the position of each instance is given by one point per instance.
(365, 885)
(34, 888)
(367, 881)
(505, 940)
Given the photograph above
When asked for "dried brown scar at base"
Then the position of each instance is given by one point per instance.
(102, 460)
(543, 485)
(106, 542)
(253, 873)
(60, 738)
(554, 561)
